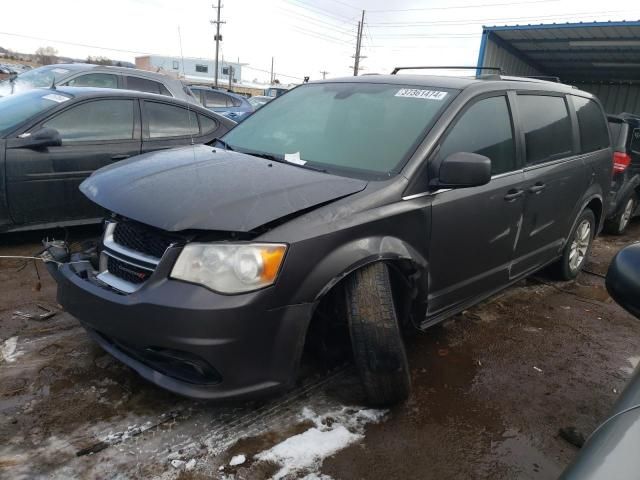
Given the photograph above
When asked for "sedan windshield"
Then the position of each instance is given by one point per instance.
(15, 109)
(38, 77)
(350, 127)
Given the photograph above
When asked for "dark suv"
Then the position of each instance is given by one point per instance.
(625, 185)
(383, 202)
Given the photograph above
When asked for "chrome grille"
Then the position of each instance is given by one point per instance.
(131, 252)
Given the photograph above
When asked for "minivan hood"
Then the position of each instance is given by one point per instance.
(208, 188)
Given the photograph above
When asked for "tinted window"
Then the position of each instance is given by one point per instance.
(98, 120)
(547, 128)
(170, 121)
(494, 139)
(216, 100)
(207, 125)
(202, 68)
(144, 85)
(99, 80)
(593, 127)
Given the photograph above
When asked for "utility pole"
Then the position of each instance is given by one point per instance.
(271, 78)
(356, 63)
(218, 38)
(230, 75)
(324, 74)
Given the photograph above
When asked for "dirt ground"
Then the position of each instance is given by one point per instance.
(492, 388)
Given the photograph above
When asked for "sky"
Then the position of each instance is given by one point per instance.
(305, 37)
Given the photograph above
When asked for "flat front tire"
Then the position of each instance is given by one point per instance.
(578, 246)
(378, 347)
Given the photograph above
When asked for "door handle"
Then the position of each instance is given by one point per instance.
(513, 194)
(120, 157)
(537, 188)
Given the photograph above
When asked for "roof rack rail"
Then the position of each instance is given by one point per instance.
(495, 69)
(534, 78)
(547, 78)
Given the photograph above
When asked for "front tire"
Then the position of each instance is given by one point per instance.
(618, 224)
(378, 347)
(578, 246)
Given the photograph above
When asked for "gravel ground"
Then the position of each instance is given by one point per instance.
(492, 388)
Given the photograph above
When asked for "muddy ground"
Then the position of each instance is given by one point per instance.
(492, 389)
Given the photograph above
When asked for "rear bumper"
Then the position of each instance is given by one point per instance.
(190, 340)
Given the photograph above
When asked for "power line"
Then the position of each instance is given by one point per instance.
(318, 22)
(528, 2)
(319, 35)
(346, 5)
(73, 43)
(318, 10)
(269, 71)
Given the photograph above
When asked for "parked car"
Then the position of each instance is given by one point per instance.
(374, 204)
(274, 92)
(612, 449)
(259, 101)
(231, 105)
(625, 185)
(98, 76)
(51, 140)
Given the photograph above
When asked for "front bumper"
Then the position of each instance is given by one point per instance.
(221, 346)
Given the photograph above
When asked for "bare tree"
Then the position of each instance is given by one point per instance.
(46, 55)
(99, 60)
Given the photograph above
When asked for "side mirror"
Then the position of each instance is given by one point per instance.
(623, 279)
(45, 137)
(463, 169)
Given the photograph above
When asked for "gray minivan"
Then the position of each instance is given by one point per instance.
(369, 205)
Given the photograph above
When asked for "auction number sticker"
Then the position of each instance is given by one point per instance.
(423, 94)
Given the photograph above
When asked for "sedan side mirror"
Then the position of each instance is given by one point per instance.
(463, 169)
(623, 279)
(45, 137)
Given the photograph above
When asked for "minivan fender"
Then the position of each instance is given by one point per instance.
(593, 198)
(356, 254)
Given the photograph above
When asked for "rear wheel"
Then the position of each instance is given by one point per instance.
(378, 348)
(618, 224)
(578, 246)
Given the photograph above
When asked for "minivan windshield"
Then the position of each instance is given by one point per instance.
(347, 127)
(15, 109)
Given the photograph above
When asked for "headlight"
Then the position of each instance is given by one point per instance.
(230, 268)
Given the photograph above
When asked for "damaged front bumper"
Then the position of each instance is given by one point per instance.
(186, 338)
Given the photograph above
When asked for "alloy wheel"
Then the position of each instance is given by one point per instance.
(580, 245)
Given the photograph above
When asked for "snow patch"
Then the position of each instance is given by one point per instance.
(8, 350)
(237, 460)
(332, 432)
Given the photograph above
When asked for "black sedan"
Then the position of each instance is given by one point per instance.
(52, 139)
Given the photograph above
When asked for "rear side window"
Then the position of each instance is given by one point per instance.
(145, 85)
(98, 80)
(474, 134)
(635, 140)
(207, 125)
(593, 127)
(99, 120)
(217, 100)
(170, 121)
(546, 126)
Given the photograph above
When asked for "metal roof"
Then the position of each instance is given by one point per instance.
(594, 51)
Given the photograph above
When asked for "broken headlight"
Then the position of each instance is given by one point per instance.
(230, 268)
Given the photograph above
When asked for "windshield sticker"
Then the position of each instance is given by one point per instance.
(61, 71)
(54, 97)
(423, 94)
(294, 158)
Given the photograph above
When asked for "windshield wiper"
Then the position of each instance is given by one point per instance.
(282, 159)
(223, 143)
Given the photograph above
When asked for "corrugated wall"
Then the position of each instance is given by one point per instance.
(498, 56)
(615, 97)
